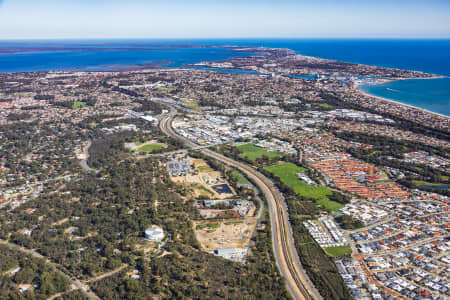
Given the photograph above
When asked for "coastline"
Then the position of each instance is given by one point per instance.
(253, 50)
(356, 86)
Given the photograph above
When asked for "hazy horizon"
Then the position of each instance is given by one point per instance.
(226, 38)
(201, 19)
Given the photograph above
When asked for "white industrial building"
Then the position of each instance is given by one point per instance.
(235, 254)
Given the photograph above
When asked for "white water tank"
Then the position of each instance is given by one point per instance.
(154, 234)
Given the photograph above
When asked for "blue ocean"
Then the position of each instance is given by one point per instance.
(431, 56)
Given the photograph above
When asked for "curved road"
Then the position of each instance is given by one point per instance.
(83, 162)
(285, 252)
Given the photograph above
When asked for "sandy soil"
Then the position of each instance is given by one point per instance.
(227, 235)
(60, 222)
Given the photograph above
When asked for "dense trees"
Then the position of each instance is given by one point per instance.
(349, 223)
(18, 116)
(33, 272)
(191, 273)
(390, 146)
(339, 197)
(147, 105)
(96, 223)
(44, 97)
(89, 101)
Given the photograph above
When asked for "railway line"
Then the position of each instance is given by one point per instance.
(297, 281)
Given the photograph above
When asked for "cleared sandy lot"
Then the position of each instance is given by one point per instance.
(233, 233)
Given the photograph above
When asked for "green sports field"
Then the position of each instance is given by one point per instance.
(79, 104)
(150, 147)
(288, 175)
(253, 152)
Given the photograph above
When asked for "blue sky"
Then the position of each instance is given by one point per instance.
(224, 19)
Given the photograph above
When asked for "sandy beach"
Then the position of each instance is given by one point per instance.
(356, 87)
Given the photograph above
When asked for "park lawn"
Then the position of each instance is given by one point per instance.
(326, 105)
(420, 183)
(79, 104)
(165, 89)
(150, 147)
(338, 251)
(330, 205)
(253, 152)
(238, 178)
(191, 105)
(288, 175)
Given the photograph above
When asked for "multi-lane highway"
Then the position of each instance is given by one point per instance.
(286, 255)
